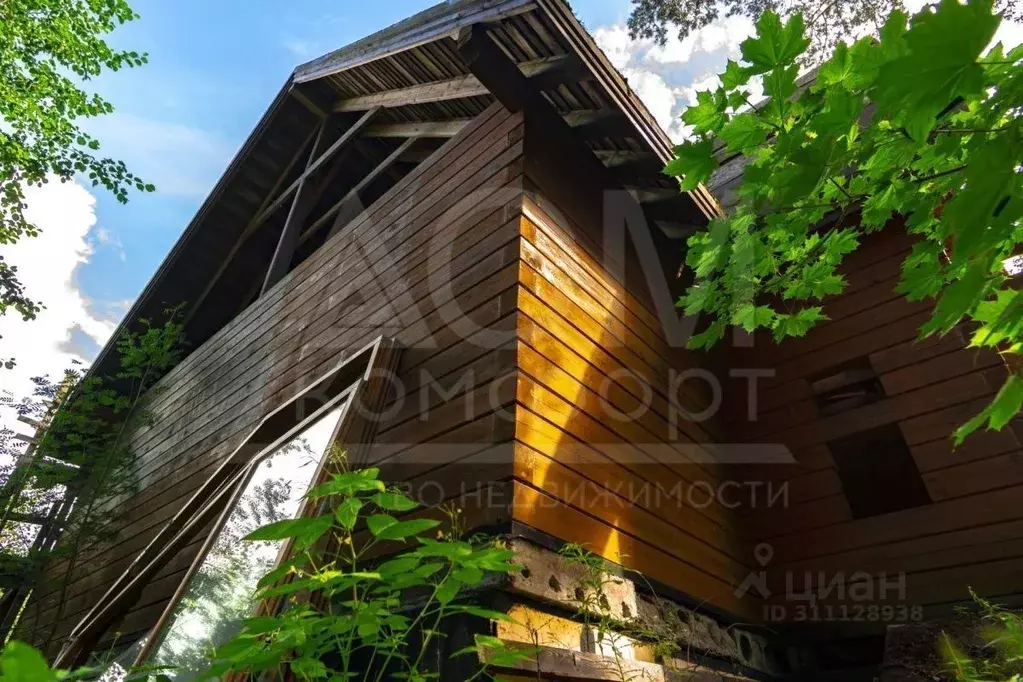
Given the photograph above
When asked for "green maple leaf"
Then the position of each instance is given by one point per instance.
(1001, 318)
(734, 75)
(896, 154)
(922, 272)
(839, 69)
(941, 64)
(751, 317)
(816, 280)
(708, 115)
(879, 207)
(839, 243)
(780, 83)
(699, 298)
(797, 180)
(694, 161)
(1006, 406)
(707, 338)
(957, 299)
(743, 132)
(786, 326)
(981, 215)
(841, 112)
(775, 45)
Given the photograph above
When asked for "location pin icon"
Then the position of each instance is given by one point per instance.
(763, 553)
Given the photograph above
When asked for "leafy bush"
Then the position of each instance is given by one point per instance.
(998, 659)
(355, 600)
(920, 123)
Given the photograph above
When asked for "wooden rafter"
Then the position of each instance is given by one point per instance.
(306, 102)
(544, 73)
(665, 206)
(417, 129)
(315, 165)
(589, 123)
(252, 224)
(353, 194)
(626, 164)
(305, 198)
(597, 123)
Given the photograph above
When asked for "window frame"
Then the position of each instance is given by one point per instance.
(364, 375)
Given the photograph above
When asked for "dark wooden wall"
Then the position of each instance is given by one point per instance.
(443, 244)
(971, 534)
(524, 343)
(592, 349)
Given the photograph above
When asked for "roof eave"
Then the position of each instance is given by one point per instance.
(445, 19)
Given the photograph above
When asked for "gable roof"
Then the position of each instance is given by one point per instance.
(411, 74)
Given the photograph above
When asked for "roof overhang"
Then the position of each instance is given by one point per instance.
(413, 79)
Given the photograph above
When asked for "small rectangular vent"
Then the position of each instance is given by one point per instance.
(878, 472)
(845, 387)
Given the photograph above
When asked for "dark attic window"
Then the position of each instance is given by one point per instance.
(845, 387)
(878, 472)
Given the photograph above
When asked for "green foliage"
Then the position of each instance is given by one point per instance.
(372, 609)
(918, 123)
(20, 662)
(1000, 656)
(82, 452)
(48, 48)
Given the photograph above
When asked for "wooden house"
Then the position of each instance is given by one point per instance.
(461, 223)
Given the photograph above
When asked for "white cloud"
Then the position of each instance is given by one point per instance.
(67, 329)
(303, 49)
(619, 48)
(667, 78)
(180, 160)
(722, 36)
(655, 93)
(108, 239)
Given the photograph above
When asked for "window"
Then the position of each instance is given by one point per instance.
(878, 472)
(219, 589)
(263, 480)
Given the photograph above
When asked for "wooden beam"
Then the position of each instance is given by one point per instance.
(440, 91)
(544, 73)
(421, 152)
(630, 165)
(353, 194)
(305, 197)
(250, 228)
(677, 230)
(315, 165)
(656, 195)
(284, 174)
(306, 102)
(671, 210)
(597, 123)
(417, 129)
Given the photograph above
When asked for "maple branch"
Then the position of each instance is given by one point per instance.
(942, 174)
(841, 189)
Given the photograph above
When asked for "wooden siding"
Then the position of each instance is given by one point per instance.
(443, 243)
(970, 535)
(524, 347)
(592, 350)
